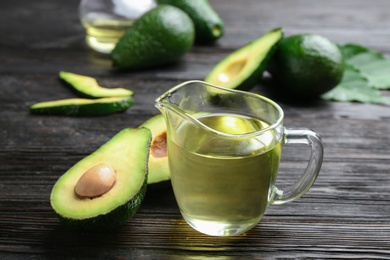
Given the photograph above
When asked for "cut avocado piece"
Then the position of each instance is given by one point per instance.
(83, 107)
(159, 37)
(88, 87)
(158, 157)
(208, 25)
(127, 155)
(243, 68)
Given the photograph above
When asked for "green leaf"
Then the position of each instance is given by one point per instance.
(366, 72)
(377, 72)
(363, 58)
(354, 87)
(348, 50)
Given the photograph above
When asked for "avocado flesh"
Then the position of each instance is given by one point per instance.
(159, 37)
(89, 87)
(243, 68)
(208, 25)
(127, 153)
(158, 158)
(83, 107)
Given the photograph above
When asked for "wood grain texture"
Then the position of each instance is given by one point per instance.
(345, 215)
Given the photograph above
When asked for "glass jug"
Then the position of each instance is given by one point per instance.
(224, 148)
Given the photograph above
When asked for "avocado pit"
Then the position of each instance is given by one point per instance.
(231, 71)
(159, 146)
(95, 182)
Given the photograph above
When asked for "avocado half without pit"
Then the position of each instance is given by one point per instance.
(243, 68)
(106, 188)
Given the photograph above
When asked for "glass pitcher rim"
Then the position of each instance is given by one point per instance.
(279, 122)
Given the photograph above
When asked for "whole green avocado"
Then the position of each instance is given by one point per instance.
(159, 37)
(209, 27)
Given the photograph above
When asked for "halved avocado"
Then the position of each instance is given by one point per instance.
(83, 107)
(127, 154)
(158, 157)
(243, 68)
(89, 87)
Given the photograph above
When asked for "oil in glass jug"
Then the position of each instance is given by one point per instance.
(105, 21)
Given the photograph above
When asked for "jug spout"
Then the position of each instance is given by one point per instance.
(188, 97)
(161, 107)
(181, 101)
(182, 105)
(165, 106)
(170, 110)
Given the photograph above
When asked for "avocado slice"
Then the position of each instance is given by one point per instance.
(159, 37)
(83, 107)
(88, 87)
(208, 25)
(127, 154)
(158, 157)
(243, 68)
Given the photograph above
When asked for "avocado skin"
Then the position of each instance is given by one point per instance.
(203, 15)
(105, 222)
(292, 66)
(160, 37)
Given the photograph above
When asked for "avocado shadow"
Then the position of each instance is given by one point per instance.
(268, 88)
(65, 242)
(159, 195)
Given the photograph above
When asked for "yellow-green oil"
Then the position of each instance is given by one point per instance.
(221, 183)
(102, 34)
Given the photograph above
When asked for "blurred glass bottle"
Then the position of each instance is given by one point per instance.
(105, 21)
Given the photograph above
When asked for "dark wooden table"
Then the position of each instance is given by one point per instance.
(346, 214)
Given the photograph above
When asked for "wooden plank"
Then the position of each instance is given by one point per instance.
(345, 215)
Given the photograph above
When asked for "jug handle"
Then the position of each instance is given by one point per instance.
(306, 180)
